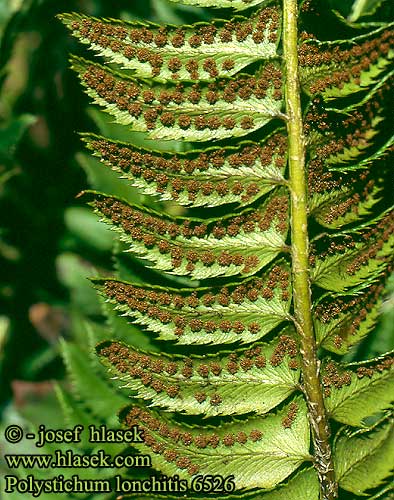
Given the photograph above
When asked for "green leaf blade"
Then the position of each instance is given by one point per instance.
(354, 395)
(255, 380)
(196, 112)
(242, 312)
(223, 4)
(211, 177)
(168, 53)
(362, 452)
(339, 69)
(357, 257)
(259, 453)
(242, 244)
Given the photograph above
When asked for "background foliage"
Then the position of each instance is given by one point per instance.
(49, 241)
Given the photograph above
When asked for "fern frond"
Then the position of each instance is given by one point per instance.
(265, 450)
(211, 177)
(360, 390)
(343, 320)
(199, 52)
(240, 244)
(357, 454)
(360, 257)
(242, 312)
(338, 69)
(255, 380)
(298, 256)
(191, 111)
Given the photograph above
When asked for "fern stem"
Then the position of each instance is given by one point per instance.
(300, 261)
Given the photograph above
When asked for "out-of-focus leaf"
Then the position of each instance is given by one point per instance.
(11, 133)
(103, 178)
(363, 8)
(86, 228)
(73, 273)
(7, 9)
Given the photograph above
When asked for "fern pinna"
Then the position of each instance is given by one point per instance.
(280, 231)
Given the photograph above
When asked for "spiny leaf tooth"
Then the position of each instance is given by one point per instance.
(242, 312)
(259, 452)
(212, 177)
(254, 380)
(198, 52)
(240, 244)
(195, 112)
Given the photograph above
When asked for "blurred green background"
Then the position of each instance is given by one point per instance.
(49, 241)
